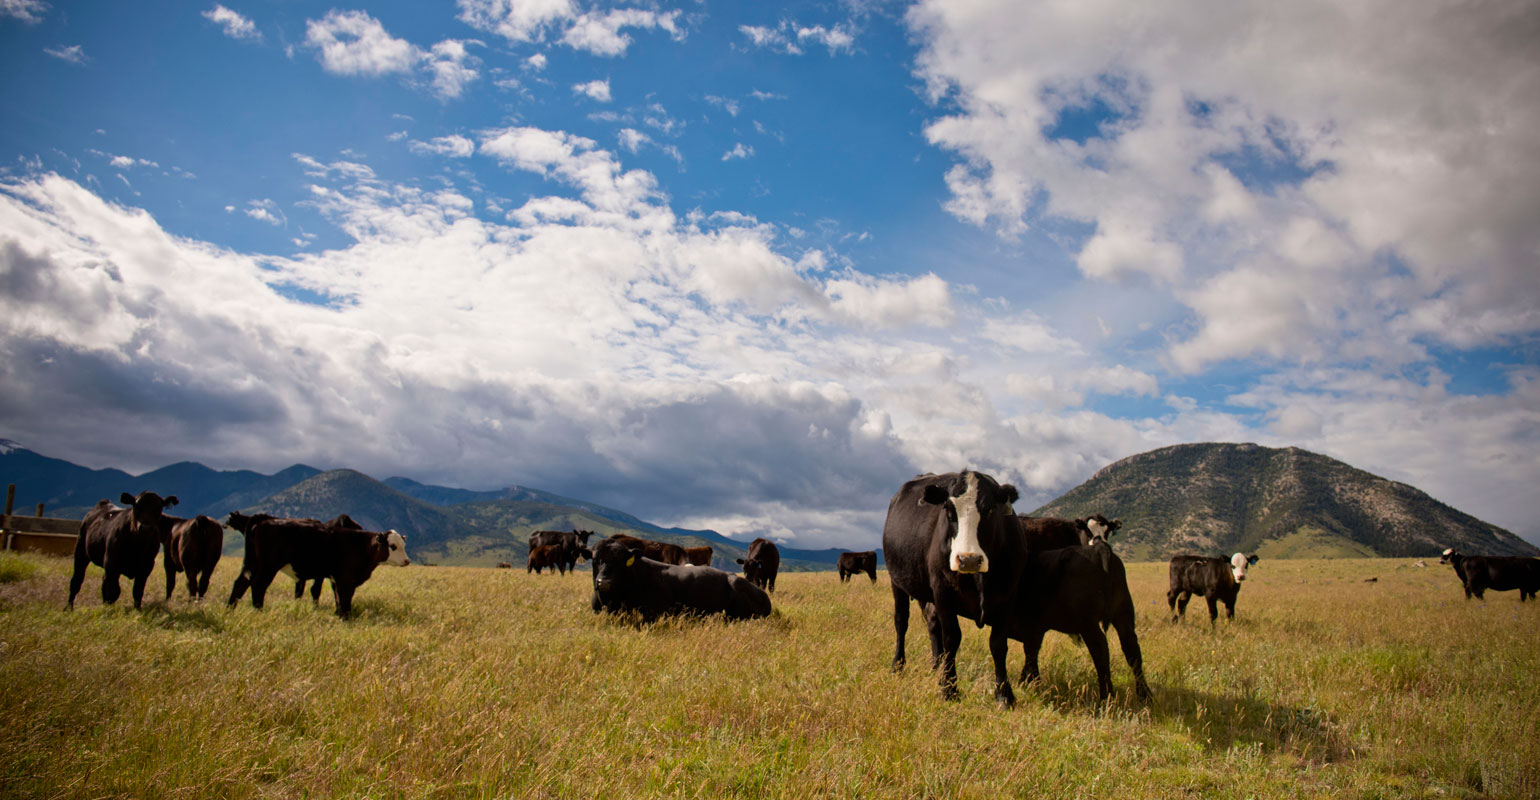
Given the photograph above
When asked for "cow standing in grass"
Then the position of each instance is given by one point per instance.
(313, 550)
(851, 564)
(122, 541)
(952, 544)
(192, 546)
(761, 563)
(1216, 579)
(1498, 573)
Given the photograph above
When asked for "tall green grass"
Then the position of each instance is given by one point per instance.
(463, 682)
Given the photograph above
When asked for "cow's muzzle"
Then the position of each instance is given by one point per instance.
(602, 584)
(969, 563)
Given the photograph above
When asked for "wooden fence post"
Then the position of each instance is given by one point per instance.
(5, 528)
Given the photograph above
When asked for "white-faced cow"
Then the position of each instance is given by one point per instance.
(1216, 579)
(851, 564)
(626, 580)
(761, 563)
(1051, 533)
(122, 541)
(1078, 590)
(1498, 573)
(952, 544)
(192, 546)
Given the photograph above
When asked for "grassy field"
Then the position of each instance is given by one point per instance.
(464, 682)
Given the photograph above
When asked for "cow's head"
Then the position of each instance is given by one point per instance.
(145, 509)
(751, 568)
(397, 544)
(1098, 528)
(612, 562)
(978, 513)
(1448, 557)
(244, 522)
(1238, 564)
(582, 537)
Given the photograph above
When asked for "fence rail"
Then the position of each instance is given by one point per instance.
(36, 534)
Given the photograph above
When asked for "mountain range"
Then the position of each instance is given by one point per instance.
(1202, 498)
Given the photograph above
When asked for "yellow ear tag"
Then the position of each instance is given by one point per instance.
(630, 561)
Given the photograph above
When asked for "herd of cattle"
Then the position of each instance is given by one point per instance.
(952, 543)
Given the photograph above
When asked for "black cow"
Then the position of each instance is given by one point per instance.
(122, 541)
(191, 546)
(761, 563)
(573, 544)
(546, 556)
(952, 544)
(1216, 579)
(313, 550)
(625, 580)
(1078, 590)
(1051, 533)
(854, 563)
(1498, 573)
(339, 521)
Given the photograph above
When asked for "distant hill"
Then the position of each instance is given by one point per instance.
(1280, 503)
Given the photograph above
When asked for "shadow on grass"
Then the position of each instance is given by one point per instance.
(206, 616)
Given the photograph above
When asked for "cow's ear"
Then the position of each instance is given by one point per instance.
(740, 561)
(936, 495)
(126, 499)
(1251, 559)
(170, 501)
(1011, 495)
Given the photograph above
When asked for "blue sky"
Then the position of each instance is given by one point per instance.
(751, 266)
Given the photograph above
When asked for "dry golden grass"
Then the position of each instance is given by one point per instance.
(464, 682)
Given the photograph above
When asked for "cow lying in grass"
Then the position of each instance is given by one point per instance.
(626, 581)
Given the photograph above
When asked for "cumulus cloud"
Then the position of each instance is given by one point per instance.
(789, 37)
(355, 44)
(595, 32)
(28, 11)
(234, 25)
(596, 90)
(1310, 181)
(740, 150)
(451, 146)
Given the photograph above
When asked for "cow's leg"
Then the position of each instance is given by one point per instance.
(999, 647)
(315, 591)
(259, 584)
(170, 576)
(242, 582)
(1096, 644)
(1171, 601)
(79, 575)
(138, 588)
(1129, 641)
(1181, 605)
(933, 627)
(111, 589)
(1230, 609)
(344, 594)
(202, 583)
(872, 573)
(1030, 647)
(299, 588)
(900, 626)
(951, 639)
(1213, 608)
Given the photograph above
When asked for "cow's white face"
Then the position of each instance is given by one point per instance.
(968, 554)
(1238, 564)
(1448, 554)
(1097, 529)
(397, 542)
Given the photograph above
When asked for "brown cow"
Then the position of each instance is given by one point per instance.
(546, 556)
(665, 552)
(761, 563)
(698, 556)
(191, 546)
(122, 541)
(855, 563)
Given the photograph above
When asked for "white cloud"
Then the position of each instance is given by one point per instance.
(354, 43)
(740, 150)
(1311, 181)
(595, 32)
(28, 11)
(235, 26)
(789, 37)
(451, 146)
(596, 90)
(452, 67)
(74, 54)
